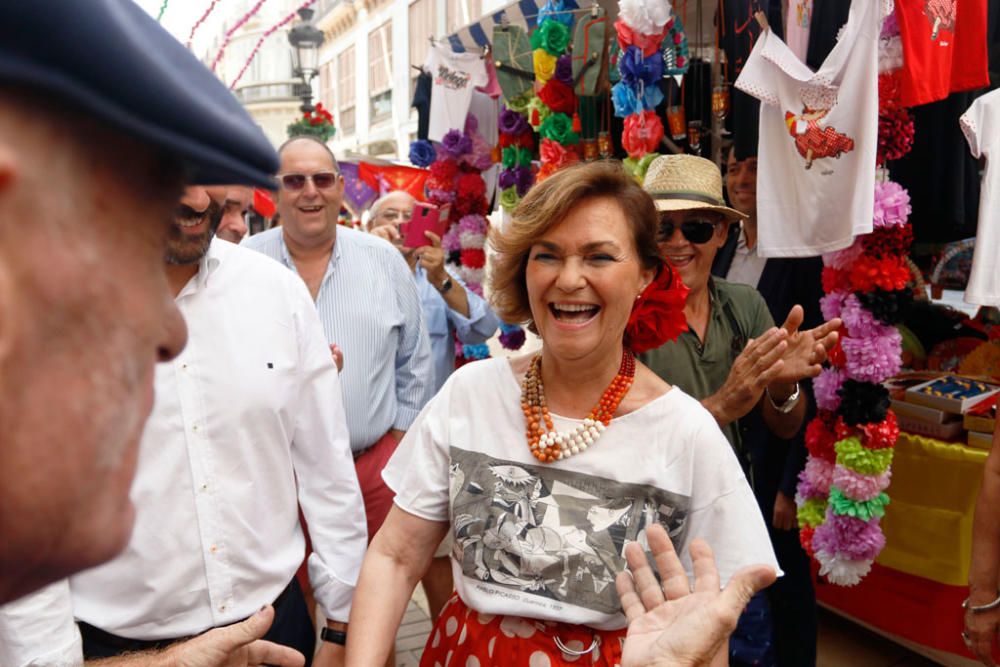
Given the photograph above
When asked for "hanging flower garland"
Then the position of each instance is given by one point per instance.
(455, 180)
(515, 147)
(642, 26)
(553, 111)
(841, 492)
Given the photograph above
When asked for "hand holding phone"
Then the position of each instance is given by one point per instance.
(426, 218)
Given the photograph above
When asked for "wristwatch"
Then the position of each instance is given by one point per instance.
(789, 403)
(445, 285)
(333, 636)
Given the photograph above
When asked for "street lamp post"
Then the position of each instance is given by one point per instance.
(305, 39)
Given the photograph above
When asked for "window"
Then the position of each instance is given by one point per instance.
(327, 77)
(345, 90)
(461, 13)
(423, 18)
(380, 71)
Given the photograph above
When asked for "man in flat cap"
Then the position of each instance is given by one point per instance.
(247, 427)
(85, 309)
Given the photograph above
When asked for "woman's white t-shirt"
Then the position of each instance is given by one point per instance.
(545, 540)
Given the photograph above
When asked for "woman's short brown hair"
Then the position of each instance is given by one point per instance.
(548, 204)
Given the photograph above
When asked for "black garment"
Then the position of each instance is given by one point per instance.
(940, 173)
(422, 103)
(775, 463)
(738, 32)
(828, 17)
(292, 627)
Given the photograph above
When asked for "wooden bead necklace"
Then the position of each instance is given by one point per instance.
(548, 444)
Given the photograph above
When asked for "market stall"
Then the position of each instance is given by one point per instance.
(834, 95)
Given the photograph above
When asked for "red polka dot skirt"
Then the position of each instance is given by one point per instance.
(463, 637)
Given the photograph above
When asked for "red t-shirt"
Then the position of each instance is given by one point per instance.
(944, 48)
(970, 65)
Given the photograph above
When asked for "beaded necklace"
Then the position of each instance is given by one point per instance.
(548, 444)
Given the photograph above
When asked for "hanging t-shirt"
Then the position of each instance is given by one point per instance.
(970, 66)
(927, 28)
(454, 76)
(422, 103)
(797, 27)
(981, 126)
(545, 540)
(818, 136)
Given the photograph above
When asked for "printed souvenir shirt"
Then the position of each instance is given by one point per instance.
(818, 136)
(453, 78)
(982, 130)
(944, 48)
(546, 540)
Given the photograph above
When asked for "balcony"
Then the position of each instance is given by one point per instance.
(268, 91)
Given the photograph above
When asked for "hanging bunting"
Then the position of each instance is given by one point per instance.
(163, 8)
(270, 31)
(232, 31)
(199, 22)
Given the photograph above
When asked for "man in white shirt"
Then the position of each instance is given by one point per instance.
(248, 426)
(233, 226)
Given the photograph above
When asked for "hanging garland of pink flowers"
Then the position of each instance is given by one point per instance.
(841, 495)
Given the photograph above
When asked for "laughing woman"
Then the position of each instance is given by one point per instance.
(545, 467)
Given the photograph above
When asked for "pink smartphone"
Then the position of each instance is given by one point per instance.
(426, 218)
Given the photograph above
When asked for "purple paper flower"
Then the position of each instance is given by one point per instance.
(511, 336)
(564, 69)
(849, 538)
(817, 476)
(472, 223)
(450, 241)
(422, 153)
(507, 178)
(511, 122)
(456, 143)
(859, 320)
(832, 304)
(892, 204)
(825, 388)
(873, 359)
(523, 180)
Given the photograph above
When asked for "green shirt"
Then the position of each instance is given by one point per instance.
(738, 313)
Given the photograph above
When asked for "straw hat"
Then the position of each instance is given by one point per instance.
(685, 182)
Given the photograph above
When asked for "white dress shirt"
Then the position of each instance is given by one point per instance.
(747, 265)
(251, 405)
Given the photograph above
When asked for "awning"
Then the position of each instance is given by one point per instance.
(522, 13)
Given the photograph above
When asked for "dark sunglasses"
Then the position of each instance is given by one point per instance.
(695, 231)
(322, 180)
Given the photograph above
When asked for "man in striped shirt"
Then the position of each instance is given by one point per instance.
(369, 306)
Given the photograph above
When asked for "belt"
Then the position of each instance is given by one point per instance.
(98, 636)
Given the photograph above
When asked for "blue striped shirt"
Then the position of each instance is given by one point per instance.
(369, 306)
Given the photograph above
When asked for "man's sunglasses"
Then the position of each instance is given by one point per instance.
(322, 180)
(695, 231)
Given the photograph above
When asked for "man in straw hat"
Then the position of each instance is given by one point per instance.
(732, 358)
(103, 118)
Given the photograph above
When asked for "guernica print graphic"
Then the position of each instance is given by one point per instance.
(551, 533)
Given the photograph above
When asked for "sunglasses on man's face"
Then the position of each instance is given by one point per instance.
(322, 180)
(695, 231)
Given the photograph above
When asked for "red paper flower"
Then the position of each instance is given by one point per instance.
(820, 438)
(546, 170)
(470, 185)
(836, 354)
(658, 313)
(835, 280)
(649, 44)
(643, 133)
(474, 258)
(885, 242)
(444, 170)
(806, 538)
(555, 153)
(887, 273)
(558, 96)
